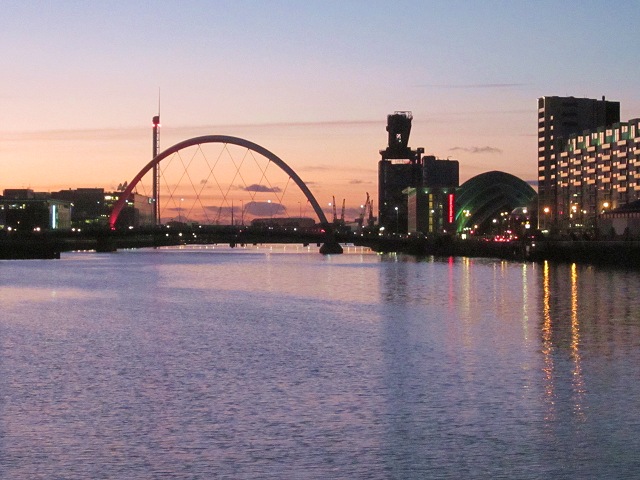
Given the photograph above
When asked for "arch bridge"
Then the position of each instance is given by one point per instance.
(330, 245)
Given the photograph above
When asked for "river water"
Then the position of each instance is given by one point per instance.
(282, 363)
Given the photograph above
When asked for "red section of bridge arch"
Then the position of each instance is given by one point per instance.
(119, 205)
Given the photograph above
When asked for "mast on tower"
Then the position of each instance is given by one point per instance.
(156, 170)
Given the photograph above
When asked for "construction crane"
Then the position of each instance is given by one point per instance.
(335, 213)
(372, 219)
(342, 213)
(363, 211)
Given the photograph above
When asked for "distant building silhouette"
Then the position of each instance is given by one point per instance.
(23, 210)
(91, 207)
(304, 223)
(431, 206)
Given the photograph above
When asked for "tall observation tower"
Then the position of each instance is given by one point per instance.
(156, 171)
(399, 168)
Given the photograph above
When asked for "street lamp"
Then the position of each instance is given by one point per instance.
(546, 211)
(397, 220)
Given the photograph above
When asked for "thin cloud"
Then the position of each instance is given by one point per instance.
(478, 85)
(357, 181)
(250, 208)
(352, 213)
(317, 168)
(474, 150)
(328, 168)
(449, 116)
(319, 123)
(221, 210)
(482, 112)
(261, 188)
(264, 209)
(125, 133)
(80, 134)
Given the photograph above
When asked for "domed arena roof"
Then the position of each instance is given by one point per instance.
(482, 198)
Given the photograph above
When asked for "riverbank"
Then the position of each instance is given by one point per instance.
(608, 252)
(604, 252)
(25, 247)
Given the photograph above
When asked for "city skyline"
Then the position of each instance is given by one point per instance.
(313, 83)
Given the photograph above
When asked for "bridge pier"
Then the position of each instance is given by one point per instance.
(331, 247)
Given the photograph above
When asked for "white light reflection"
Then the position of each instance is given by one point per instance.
(525, 304)
(547, 346)
(578, 378)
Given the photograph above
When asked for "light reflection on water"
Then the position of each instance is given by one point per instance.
(264, 363)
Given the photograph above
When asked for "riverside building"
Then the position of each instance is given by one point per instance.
(598, 171)
(23, 210)
(416, 193)
(431, 206)
(91, 207)
(577, 147)
(399, 168)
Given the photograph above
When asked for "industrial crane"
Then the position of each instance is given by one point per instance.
(372, 219)
(367, 207)
(335, 213)
(363, 211)
(336, 220)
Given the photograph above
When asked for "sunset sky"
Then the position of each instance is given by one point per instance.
(310, 81)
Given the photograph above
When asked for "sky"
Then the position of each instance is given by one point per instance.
(310, 81)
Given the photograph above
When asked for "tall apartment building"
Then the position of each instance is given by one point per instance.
(598, 170)
(558, 119)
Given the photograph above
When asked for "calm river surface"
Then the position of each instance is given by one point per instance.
(259, 363)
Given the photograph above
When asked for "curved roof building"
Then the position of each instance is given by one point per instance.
(483, 197)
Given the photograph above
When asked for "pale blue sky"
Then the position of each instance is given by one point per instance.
(311, 81)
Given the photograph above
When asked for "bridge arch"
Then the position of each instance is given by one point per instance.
(119, 205)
